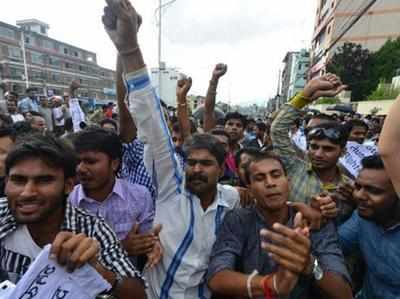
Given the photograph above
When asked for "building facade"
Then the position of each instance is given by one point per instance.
(288, 62)
(375, 27)
(299, 73)
(30, 58)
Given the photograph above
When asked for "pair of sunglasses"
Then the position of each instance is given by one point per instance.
(320, 133)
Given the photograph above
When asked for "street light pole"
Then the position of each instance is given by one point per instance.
(159, 47)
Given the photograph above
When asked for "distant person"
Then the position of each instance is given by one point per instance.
(12, 106)
(30, 102)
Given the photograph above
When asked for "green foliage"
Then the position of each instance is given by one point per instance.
(352, 64)
(327, 101)
(384, 92)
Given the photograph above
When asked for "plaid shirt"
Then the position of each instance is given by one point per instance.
(304, 182)
(133, 168)
(111, 256)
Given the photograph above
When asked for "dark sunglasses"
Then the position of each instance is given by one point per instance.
(331, 133)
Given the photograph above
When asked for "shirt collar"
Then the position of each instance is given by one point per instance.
(117, 189)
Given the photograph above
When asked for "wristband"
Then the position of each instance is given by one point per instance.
(249, 279)
(266, 288)
(299, 101)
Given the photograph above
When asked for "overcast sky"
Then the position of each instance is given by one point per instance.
(251, 36)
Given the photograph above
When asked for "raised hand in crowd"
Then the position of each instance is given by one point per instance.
(328, 85)
(122, 24)
(182, 89)
(209, 105)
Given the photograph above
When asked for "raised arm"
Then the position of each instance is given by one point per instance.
(182, 90)
(122, 23)
(127, 127)
(389, 144)
(209, 105)
(328, 85)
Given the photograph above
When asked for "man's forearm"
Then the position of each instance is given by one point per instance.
(209, 106)
(334, 286)
(127, 288)
(389, 144)
(230, 283)
(183, 118)
(133, 62)
(127, 126)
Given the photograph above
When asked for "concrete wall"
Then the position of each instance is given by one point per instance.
(364, 107)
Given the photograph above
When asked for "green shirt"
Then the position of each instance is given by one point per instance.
(304, 182)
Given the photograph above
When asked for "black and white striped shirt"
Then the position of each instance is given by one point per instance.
(112, 256)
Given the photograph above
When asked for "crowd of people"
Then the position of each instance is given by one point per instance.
(169, 207)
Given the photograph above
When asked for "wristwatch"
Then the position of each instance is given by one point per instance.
(317, 271)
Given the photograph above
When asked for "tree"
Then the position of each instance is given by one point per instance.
(353, 64)
(386, 62)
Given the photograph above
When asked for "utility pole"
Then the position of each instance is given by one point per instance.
(159, 47)
(24, 58)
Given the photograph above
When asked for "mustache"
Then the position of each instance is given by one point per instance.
(197, 177)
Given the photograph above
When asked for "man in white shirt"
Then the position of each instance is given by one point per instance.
(77, 114)
(58, 116)
(11, 100)
(190, 204)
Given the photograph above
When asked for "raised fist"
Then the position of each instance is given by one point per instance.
(122, 24)
(219, 70)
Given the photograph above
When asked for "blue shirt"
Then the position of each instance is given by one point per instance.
(380, 249)
(133, 169)
(27, 104)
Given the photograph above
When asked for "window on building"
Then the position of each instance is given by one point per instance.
(48, 44)
(42, 30)
(28, 40)
(76, 53)
(6, 32)
(68, 65)
(15, 53)
(65, 51)
(36, 57)
(17, 73)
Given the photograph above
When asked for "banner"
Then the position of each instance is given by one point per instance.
(355, 152)
(45, 278)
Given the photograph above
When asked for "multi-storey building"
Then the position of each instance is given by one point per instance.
(299, 73)
(288, 61)
(29, 57)
(375, 27)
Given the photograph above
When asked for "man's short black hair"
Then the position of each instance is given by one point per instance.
(51, 150)
(220, 132)
(356, 123)
(98, 140)
(261, 126)
(14, 94)
(261, 156)
(236, 115)
(8, 131)
(5, 120)
(373, 162)
(323, 116)
(109, 121)
(251, 151)
(205, 142)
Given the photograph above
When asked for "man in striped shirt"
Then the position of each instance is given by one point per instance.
(40, 174)
(190, 203)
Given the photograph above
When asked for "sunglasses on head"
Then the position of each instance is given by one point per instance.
(330, 133)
